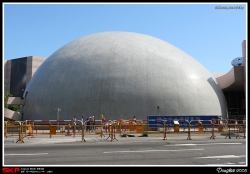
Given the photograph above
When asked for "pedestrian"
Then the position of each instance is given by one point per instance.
(134, 120)
(82, 123)
(104, 123)
(88, 124)
(74, 123)
(92, 123)
(82, 120)
(103, 119)
(74, 120)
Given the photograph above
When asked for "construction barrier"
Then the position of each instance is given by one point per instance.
(131, 127)
(98, 130)
(62, 129)
(25, 129)
(138, 128)
(176, 128)
(220, 127)
(201, 129)
(241, 129)
(52, 130)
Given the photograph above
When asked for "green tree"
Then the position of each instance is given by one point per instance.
(6, 96)
(14, 107)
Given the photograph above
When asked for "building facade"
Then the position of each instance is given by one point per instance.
(19, 72)
(17, 75)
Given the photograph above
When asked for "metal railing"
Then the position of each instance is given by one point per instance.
(24, 129)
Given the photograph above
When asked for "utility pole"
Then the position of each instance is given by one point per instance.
(58, 110)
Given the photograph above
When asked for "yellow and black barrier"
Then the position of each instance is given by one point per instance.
(25, 129)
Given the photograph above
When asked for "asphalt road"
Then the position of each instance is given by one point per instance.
(175, 150)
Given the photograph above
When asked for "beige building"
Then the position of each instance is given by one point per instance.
(17, 74)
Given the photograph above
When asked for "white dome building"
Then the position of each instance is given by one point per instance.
(121, 74)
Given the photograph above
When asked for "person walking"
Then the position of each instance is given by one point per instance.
(73, 123)
(134, 120)
(82, 120)
(92, 123)
(82, 123)
(74, 120)
(88, 124)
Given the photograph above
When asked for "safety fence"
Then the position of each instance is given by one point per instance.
(110, 129)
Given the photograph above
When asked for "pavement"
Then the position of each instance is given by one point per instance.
(63, 138)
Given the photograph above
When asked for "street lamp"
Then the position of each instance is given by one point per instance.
(57, 110)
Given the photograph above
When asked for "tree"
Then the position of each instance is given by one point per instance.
(14, 107)
(6, 98)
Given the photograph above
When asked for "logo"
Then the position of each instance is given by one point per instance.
(10, 170)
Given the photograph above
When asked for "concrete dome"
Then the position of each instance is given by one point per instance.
(121, 74)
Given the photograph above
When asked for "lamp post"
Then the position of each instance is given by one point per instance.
(57, 109)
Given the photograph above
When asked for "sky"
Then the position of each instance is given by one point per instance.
(209, 32)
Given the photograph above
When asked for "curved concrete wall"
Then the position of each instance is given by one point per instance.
(234, 79)
(121, 74)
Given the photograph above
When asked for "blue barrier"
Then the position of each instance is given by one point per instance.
(156, 121)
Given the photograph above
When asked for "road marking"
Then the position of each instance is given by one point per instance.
(29, 154)
(241, 162)
(238, 163)
(224, 156)
(200, 144)
(150, 151)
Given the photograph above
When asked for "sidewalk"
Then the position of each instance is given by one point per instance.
(62, 138)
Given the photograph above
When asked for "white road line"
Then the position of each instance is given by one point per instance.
(238, 163)
(28, 154)
(224, 156)
(201, 144)
(150, 151)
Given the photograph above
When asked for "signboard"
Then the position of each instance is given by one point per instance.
(156, 121)
(176, 122)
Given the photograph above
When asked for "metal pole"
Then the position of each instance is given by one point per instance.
(238, 130)
(5, 128)
(213, 136)
(189, 135)
(58, 119)
(20, 139)
(165, 131)
(228, 134)
(58, 109)
(112, 136)
(83, 139)
(244, 130)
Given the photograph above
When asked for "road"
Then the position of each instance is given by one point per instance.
(176, 150)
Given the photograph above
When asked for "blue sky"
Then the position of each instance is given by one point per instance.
(212, 36)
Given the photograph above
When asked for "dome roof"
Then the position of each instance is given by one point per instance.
(121, 74)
